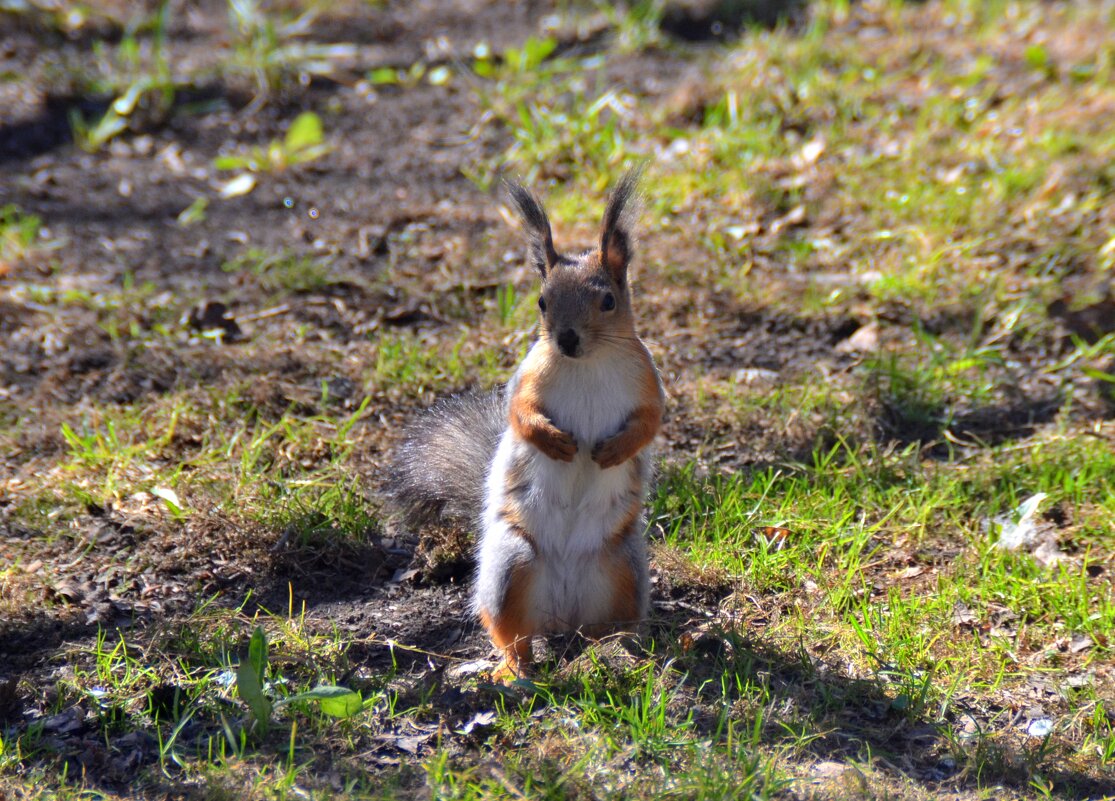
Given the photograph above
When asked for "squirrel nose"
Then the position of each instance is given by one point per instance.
(568, 340)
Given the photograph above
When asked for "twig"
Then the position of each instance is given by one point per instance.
(274, 311)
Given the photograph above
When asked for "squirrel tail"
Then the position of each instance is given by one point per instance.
(439, 471)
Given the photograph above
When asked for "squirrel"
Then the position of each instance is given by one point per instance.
(555, 465)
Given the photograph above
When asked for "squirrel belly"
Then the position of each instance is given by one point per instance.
(561, 545)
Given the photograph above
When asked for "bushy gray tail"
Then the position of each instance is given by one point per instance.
(438, 473)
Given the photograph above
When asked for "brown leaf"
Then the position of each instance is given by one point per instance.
(962, 615)
(68, 590)
(1080, 642)
(795, 216)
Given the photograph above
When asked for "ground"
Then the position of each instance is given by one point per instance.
(242, 245)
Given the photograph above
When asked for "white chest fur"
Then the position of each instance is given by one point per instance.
(592, 398)
(569, 509)
(573, 506)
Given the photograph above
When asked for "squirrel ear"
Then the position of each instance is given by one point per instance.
(542, 253)
(616, 238)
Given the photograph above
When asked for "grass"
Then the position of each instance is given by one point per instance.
(834, 614)
(266, 46)
(829, 124)
(285, 272)
(142, 83)
(18, 232)
(304, 142)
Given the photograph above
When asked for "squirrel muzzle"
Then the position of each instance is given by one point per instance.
(569, 343)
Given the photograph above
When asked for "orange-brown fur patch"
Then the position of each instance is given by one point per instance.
(625, 601)
(627, 522)
(531, 423)
(641, 426)
(510, 630)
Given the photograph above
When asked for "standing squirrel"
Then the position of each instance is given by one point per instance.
(555, 465)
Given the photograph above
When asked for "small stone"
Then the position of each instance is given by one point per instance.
(750, 376)
(864, 340)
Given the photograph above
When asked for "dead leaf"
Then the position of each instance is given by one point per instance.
(404, 315)
(1078, 680)
(473, 668)
(67, 722)
(1048, 554)
(242, 184)
(812, 151)
(68, 590)
(962, 615)
(755, 375)
(1017, 529)
(480, 720)
(848, 777)
(402, 575)
(1080, 642)
(795, 216)
(829, 769)
(412, 744)
(910, 572)
(168, 495)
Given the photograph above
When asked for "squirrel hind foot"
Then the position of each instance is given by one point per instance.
(512, 638)
(508, 671)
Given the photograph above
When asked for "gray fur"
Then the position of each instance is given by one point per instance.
(541, 253)
(438, 473)
(634, 550)
(493, 575)
(616, 234)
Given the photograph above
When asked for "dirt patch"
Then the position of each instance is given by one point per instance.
(771, 340)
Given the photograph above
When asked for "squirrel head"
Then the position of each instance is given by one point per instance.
(585, 301)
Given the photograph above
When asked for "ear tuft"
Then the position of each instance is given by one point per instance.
(542, 254)
(616, 235)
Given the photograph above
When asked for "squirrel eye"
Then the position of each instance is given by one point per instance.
(609, 302)
(542, 304)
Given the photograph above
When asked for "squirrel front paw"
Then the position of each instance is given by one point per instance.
(610, 452)
(560, 446)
